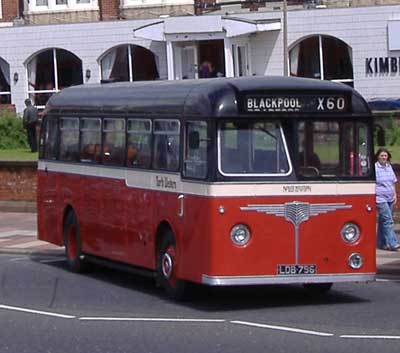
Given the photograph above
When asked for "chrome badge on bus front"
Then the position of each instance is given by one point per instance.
(296, 213)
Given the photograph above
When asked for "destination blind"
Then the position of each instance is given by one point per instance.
(292, 103)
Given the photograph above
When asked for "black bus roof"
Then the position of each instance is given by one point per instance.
(218, 97)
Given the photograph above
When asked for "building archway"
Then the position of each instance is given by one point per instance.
(5, 79)
(322, 57)
(128, 62)
(51, 70)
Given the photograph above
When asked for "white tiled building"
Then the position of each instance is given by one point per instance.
(50, 44)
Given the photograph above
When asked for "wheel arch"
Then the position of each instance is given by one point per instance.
(162, 229)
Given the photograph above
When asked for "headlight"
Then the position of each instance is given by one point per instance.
(350, 233)
(355, 261)
(240, 235)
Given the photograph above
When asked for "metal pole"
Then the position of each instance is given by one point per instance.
(285, 40)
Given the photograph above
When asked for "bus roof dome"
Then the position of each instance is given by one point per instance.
(202, 97)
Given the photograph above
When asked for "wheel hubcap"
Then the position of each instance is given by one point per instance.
(167, 265)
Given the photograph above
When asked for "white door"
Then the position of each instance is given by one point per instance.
(241, 60)
(188, 63)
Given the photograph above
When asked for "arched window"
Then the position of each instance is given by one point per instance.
(322, 57)
(50, 71)
(5, 93)
(129, 63)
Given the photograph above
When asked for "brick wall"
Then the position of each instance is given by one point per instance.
(109, 9)
(18, 181)
(9, 10)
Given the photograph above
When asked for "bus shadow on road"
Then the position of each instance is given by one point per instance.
(219, 299)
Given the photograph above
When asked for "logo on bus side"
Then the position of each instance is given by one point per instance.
(165, 182)
(297, 188)
(296, 213)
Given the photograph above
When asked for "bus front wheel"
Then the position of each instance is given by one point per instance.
(167, 259)
(72, 242)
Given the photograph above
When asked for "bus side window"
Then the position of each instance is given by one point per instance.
(114, 141)
(51, 139)
(166, 144)
(90, 138)
(139, 143)
(69, 139)
(196, 147)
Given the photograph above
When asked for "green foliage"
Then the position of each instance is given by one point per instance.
(392, 131)
(12, 134)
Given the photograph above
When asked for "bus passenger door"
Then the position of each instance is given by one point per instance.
(193, 210)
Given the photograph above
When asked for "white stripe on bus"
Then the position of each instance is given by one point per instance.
(172, 182)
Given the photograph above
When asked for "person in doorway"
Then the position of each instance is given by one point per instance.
(385, 200)
(206, 70)
(30, 119)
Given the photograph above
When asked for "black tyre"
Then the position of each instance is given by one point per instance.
(318, 288)
(72, 242)
(167, 260)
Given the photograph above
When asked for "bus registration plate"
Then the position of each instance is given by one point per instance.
(297, 269)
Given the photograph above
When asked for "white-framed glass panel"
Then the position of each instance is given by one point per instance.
(139, 139)
(252, 149)
(322, 57)
(90, 146)
(69, 139)
(128, 3)
(196, 148)
(49, 72)
(241, 60)
(61, 4)
(189, 62)
(166, 144)
(5, 90)
(114, 141)
(50, 5)
(128, 63)
(333, 148)
(49, 141)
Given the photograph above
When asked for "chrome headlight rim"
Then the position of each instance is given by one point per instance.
(346, 230)
(356, 261)
(240, 235)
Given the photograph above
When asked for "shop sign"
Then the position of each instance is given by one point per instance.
(382, 65)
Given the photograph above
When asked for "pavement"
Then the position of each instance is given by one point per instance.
(18, 235)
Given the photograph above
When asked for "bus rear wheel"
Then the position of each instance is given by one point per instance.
(72, 242)
(167, 259)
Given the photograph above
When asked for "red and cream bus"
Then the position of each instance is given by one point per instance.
(241, 181)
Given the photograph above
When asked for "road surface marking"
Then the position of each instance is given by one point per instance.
(19, 259)
(46, 313)
(372, 337)
(29, 244)
(11, 233)
(282, 328)
(147, 319)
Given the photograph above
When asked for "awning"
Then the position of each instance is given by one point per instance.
(203, 27)
(239, 26)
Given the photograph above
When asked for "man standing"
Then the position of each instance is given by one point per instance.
(29, 120)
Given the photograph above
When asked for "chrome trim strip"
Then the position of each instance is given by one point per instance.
(259, 280)
(296, 212)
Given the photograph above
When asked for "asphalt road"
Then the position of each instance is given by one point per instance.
(45, 308)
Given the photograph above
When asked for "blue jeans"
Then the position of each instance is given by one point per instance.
(386, 236)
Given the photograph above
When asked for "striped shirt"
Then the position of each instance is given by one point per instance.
(385, 180)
